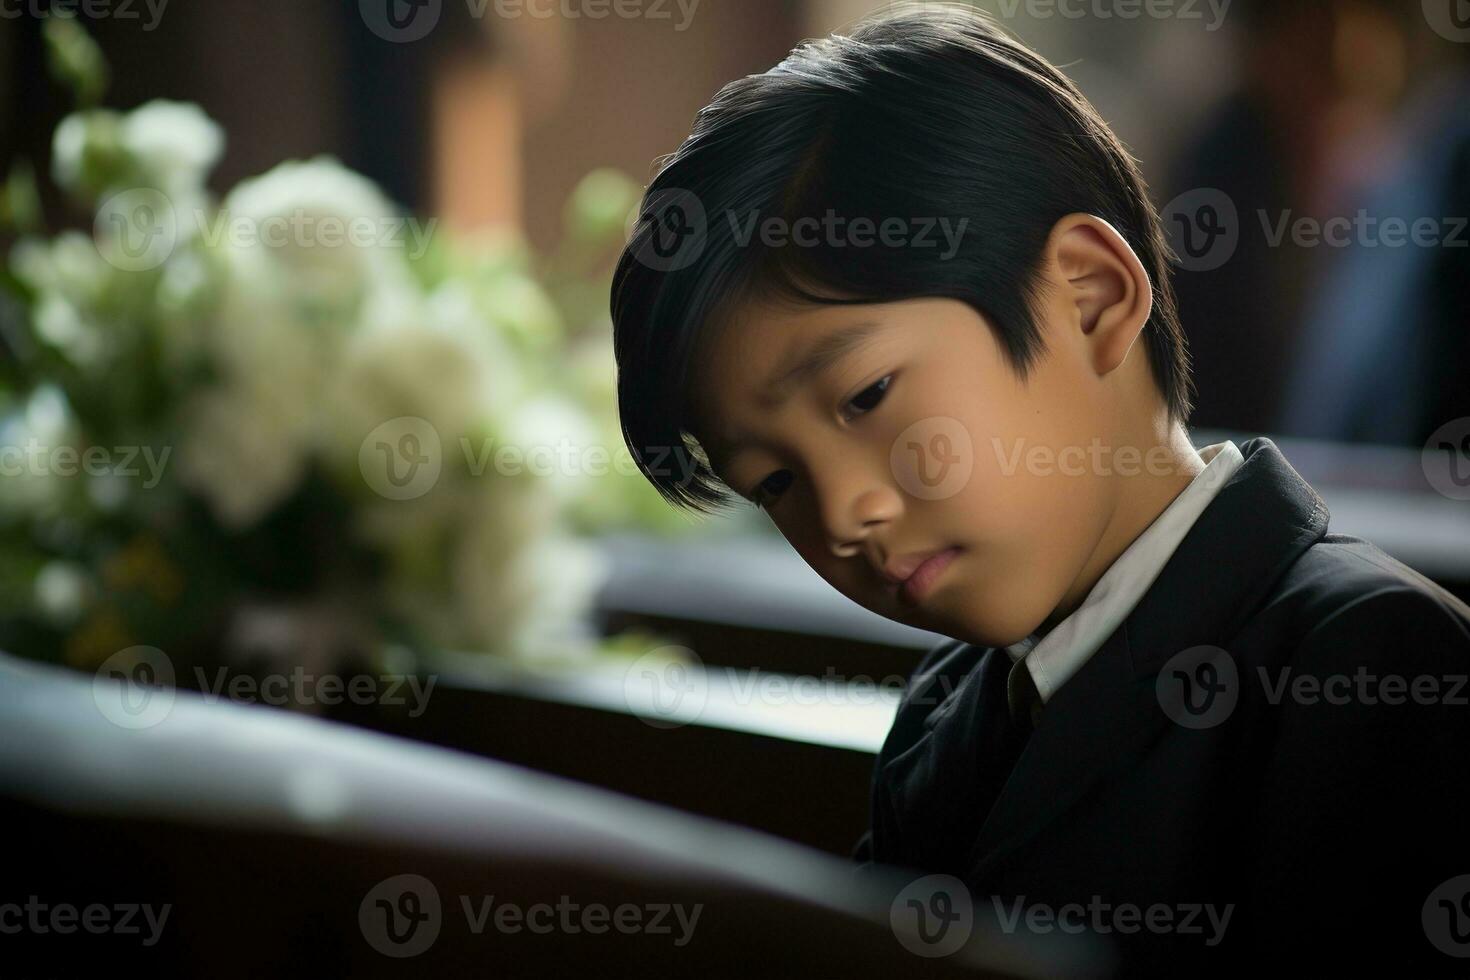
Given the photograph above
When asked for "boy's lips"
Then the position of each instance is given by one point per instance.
(913, 576)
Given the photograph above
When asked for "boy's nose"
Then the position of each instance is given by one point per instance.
(849, 520)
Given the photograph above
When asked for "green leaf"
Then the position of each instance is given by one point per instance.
(599, 205)
(20, 201)
(75, 59)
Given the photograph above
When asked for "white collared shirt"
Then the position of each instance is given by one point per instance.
(1059, 654)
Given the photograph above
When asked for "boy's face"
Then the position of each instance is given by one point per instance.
(917, 439)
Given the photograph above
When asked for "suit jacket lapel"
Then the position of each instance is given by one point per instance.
(1102, 718)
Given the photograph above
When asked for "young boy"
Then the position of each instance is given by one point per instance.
(906, 292)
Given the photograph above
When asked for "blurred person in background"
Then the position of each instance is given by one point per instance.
(1263, 147)
(1384, 345)
(1323, 321)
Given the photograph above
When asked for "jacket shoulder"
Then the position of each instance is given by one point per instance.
(932, 684)
(1345, 593)
(1341, 571)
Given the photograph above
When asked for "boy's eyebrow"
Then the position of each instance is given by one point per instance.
(820, 356)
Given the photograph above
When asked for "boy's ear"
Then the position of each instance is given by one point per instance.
(1105, 293)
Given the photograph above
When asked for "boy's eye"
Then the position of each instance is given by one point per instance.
(771, 486)
(868, 399)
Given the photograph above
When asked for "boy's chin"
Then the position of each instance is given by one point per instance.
(990, 628)
(997, 623)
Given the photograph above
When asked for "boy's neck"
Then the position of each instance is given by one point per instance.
(1141, 499)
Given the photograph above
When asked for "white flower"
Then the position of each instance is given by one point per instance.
(69, 265)
(68, 148)
(29, 483)
(60, 324)
(256, 340)
(174, 142)
(558, 443)
(489, 589)
(168, 146)
(61, 591)
(428, 358)
(520, 306)
(316, 233)
(70, 279)
(242, 451)
(452, 559)
(562, 576)
(593, 368)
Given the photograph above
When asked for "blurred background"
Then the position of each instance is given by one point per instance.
(305, 359)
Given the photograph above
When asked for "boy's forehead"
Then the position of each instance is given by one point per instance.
(738, 353)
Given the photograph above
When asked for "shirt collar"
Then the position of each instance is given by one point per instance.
(1056, 656)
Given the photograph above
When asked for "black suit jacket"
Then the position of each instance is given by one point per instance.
(1321, 825)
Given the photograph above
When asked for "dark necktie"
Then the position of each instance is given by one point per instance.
(1011, 730)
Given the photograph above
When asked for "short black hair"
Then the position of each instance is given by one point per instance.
(920, 112)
